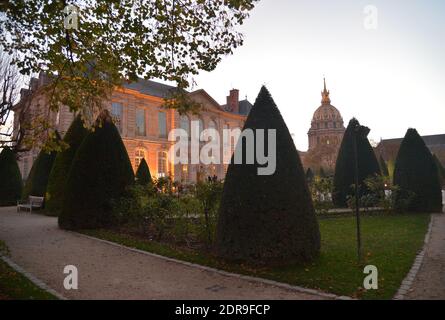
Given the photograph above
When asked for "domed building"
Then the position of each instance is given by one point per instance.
(325, 136)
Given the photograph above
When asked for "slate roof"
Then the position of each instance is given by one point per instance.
(150, 87)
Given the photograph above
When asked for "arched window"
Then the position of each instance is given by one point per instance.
(185, 123)
(138, 156)
(162, 164)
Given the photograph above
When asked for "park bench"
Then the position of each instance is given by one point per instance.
(33, 202)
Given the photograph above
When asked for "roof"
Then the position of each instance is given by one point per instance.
(437, 139)
(327, 112)
(244, 107)
(151, 88)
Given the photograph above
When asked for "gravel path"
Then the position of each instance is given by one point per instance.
(109, 272)
(430, 280)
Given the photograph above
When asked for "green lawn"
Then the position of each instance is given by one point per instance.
(390, 243)
(14, 286)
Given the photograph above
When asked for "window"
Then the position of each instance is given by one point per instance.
(335, 124)
(140, 122)
(212, 124)
(139, 155)
(162, 164)
(116, 113)
(162, 124)
(57, 118)
(185, 124)
(184, 173)
(25, 168)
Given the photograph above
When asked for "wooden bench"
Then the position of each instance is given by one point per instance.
(33, 202)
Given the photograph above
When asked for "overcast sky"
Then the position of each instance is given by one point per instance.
(390, 78)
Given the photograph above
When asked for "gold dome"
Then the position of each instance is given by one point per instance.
(327, 112)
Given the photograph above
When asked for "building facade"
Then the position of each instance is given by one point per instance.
(144, 124)
(324, 136)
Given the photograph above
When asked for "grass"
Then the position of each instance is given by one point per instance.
(15, 286)
(390, 243)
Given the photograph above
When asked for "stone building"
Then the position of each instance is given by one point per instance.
(325, 136)
(144, 124)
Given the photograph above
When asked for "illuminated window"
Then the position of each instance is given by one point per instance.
(140, 122)
(139, 155)
(184, 172)
(162, 124)
(116, 113)
(162, 164)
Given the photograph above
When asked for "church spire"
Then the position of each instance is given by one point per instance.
(325, 94)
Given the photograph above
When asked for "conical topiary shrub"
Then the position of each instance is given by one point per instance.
(440, 169)
(37, 181)
(344, 177)
(62, 164)
(309, 175)
(10, 178)
(100, 172)
(143, 176)
(416, 176)
(267, 218)
(383, 166)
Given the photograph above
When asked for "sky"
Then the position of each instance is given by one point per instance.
(390, 78)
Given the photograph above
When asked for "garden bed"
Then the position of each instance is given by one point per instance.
(390, 242)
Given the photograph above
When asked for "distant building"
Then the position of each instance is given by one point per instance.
(143, 124)
(325, 136)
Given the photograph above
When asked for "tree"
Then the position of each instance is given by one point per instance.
(90, 47)
(383, 166)
(344, 177)
(10, 178)
(143, 176)
(100, 173)
(10, 80)
(62, 164)
(267, 218)
(416, 176)
(37, 181)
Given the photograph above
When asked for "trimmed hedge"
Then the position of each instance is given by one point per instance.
(344, 176)
(440, 169)
(267, 218)
(143, 176)
(62, 164)
(37, 181)
(383, 166)
(416, 176)
(100, 172)
(309, 175)
(11, 184)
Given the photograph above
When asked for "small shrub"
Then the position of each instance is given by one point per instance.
(10, 178)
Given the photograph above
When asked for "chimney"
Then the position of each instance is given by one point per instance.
(233, 101)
